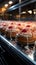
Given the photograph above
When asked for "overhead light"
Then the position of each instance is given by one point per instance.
(30, 12)
(34, 11)
(6, 5)
(3, 9)
(10, 2)
(23, 12)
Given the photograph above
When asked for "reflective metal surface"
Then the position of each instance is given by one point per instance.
(19, 51)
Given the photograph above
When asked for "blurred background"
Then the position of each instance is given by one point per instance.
(18, 10)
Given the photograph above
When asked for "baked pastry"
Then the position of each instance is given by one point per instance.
(23, 36)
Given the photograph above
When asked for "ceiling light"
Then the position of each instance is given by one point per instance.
(10, 2)
(3, 9)
(34, 12)
(6, 5)
(23, 12)
(30, 12)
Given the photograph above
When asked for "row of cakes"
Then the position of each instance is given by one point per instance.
(21, 30)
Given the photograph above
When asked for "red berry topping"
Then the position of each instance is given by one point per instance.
(10, 27)
(28, 26)
(24, 30)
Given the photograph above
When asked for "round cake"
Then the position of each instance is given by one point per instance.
(23, 36)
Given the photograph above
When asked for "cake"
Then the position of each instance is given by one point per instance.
(19, 29)
(22, 37)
